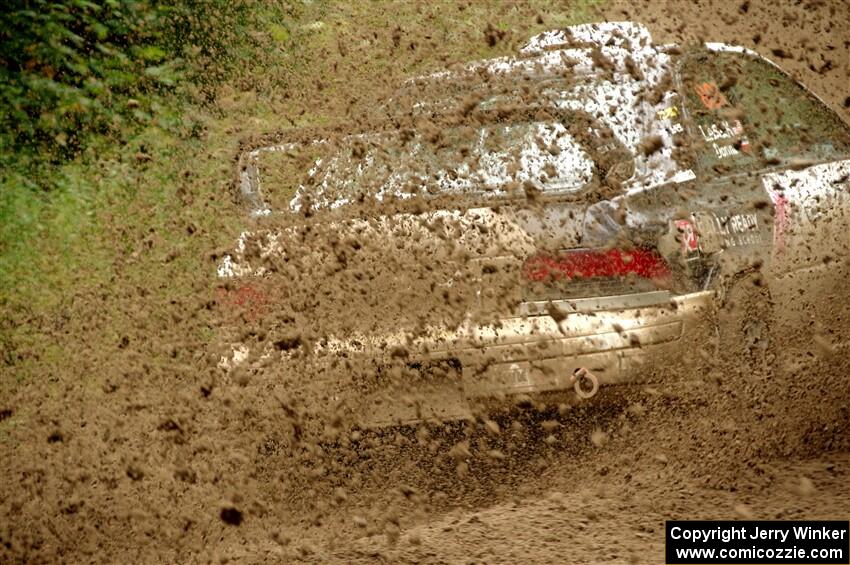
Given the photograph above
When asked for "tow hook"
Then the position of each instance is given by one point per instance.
(580, 374)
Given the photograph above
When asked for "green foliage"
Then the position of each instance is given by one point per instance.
(73, 68)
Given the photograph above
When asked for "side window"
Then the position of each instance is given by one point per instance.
(748, 115)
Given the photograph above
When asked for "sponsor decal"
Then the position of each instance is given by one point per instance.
(780, 218)
(670, 113)
(720, 231)
(710, 95)
(723, 131)
(688, 236)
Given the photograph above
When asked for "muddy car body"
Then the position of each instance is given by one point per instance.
(574, 216)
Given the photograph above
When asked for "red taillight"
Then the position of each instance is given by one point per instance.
(595, 263)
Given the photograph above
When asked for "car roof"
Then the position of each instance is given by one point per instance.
(625, 45)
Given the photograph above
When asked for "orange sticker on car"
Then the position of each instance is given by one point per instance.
(710, 95)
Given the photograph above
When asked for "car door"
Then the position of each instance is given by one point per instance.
(771, 162)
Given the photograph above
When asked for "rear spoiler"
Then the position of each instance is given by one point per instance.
(627, 35)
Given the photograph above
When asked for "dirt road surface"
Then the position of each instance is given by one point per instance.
(138, 450)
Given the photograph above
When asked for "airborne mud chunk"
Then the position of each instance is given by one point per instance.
(288, 343)
(410, 243)
(231, 516)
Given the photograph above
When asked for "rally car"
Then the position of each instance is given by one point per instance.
(581, 215)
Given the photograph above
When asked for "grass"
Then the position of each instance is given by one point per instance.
(147, 213)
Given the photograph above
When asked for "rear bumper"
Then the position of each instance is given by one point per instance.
(621, 340)
(626, 344)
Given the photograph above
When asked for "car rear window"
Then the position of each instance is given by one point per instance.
(493, 136)
(505, 150)
(493, 158)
